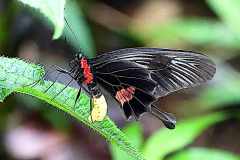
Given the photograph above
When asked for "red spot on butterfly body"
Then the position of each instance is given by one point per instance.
(125, 95)
(86, 71)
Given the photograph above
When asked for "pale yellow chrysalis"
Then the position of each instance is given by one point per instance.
(99, 109)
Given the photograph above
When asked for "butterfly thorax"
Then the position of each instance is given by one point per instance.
(86, 70)
(88, 77)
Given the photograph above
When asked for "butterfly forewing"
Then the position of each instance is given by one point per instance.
(170, 70)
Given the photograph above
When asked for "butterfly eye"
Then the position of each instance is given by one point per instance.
(79, 55)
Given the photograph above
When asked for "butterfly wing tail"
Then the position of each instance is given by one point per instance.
(168, 119)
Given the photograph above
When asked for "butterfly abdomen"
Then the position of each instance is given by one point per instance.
(99, 108)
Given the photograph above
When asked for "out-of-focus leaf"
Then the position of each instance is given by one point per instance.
(53, 9)
(204, 154)
(166, 141)
(78, 32)
(228, 11)
(17, 75)
(57, 119)
(134, 133)
(3, 27)
(192, 31)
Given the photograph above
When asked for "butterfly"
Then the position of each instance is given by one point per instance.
(138, 77)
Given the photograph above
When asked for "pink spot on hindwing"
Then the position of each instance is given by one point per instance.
(125, 95)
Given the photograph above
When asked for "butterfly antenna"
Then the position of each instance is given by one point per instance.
(72, 32)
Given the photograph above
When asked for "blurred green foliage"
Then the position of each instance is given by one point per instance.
(54, 10)
(77, 30)
(2, 29)
(165, 141)
(195, 30)
(204, 154)
(191, 31)
(228, 11)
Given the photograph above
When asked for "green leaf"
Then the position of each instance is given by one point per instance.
(204, 154)
(52, 9)
(16, 76)
(134, 133)
(78, 32)
(228, 11)
(192, 31)
(4, 93)
(166, 141)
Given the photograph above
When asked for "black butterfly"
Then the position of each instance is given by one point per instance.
(137, 77)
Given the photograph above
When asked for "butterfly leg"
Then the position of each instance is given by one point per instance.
(168, 119)
(78, 95)
(63, 89)
(82, 87)
(79, 79)
(52, 83)
(78, 76)
(61, 71)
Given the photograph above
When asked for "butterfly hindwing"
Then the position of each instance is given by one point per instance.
(140, 95)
